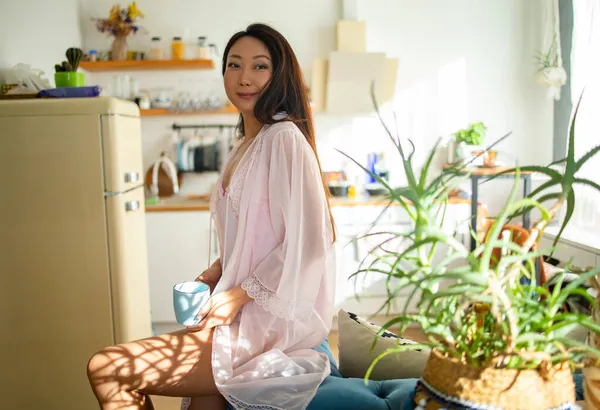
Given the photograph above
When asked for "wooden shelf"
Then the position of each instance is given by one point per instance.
(155, 112)
(145, 65)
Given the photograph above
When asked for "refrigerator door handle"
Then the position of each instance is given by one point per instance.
(132, 176)
(131, 206)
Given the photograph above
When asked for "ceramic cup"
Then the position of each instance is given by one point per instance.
(188, 299)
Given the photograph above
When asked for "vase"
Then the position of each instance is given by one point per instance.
(118, 50)
(449, 383)
(68, 79)
(460, 151)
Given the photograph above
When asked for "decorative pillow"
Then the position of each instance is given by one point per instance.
(356, 336)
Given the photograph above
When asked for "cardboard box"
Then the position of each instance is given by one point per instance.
(351, 36)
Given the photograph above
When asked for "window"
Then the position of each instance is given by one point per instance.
(585, 74)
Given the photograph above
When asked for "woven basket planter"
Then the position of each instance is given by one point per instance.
(591, 373)
(449, 384)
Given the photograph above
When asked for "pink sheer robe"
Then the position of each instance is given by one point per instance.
(275, 240)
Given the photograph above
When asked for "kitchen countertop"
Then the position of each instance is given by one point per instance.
(201, 203)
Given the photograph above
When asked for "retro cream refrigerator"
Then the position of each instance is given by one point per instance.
(73, 262)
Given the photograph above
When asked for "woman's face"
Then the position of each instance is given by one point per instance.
(247, 72)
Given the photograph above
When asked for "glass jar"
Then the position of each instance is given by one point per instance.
(202, 49)
(156, 51)
(177, 49)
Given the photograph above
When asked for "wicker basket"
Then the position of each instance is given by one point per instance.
(448, 383)
(591, 373)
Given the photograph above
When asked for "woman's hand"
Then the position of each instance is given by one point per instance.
(221, 309)
(212, 275)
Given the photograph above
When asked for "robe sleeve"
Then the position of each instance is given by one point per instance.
(287, 281)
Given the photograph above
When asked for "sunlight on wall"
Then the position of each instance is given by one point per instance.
(453, 107)
(431, 107)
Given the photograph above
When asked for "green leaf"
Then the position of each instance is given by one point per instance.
(396, 349)
(562, 297)
(425, 169)
(498, 225)
(568, 215)
(585, 181)
(557, 162)
(548, 184)
(588, 155)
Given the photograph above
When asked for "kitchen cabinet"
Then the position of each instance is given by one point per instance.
(353, 223)
(178, 251)
(581, 245)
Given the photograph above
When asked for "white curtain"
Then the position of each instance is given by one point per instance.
(585, 73)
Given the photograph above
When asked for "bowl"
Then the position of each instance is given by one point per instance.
(376, 189)
(338, 188)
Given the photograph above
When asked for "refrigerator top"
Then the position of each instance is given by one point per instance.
(68, 106)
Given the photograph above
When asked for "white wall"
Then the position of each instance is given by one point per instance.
(464, 61)
(309, 28)
(460, 61)
(38, 32)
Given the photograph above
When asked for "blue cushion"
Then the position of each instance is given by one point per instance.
(324, 348)
(351, 394)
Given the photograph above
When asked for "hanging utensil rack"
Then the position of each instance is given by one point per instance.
(220, 127)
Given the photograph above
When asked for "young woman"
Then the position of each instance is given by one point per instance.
(273, 285)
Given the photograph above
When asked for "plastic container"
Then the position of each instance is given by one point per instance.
(93, 55)
(177, 49)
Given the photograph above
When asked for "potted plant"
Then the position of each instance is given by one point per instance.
(66, 74)
(472, 136)
(499, 339)
(120, 23)
(550, 71)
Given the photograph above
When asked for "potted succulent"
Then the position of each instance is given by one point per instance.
(66, 74)
(499, 339)
(121, 22)
(473, 135)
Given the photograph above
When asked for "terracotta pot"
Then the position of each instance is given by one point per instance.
(448, 383)
(118, 51)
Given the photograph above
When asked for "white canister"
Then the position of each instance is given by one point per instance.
(202, 49)
(144, 103)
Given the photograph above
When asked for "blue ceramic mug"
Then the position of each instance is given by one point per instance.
(188, 299)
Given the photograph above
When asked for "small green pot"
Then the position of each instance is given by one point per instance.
(68, 79)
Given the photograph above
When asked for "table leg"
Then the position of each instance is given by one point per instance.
(526, 192)
(474, 201)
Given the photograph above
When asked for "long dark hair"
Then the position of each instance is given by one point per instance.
(285, 92)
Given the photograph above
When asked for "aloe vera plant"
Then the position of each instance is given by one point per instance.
(484, 314)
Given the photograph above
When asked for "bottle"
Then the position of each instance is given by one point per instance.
(156, 51)
(177, 49)
(380, 167)
(371, 163)
(352, 192)
(93, 55)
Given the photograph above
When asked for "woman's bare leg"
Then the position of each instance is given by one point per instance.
(174, 364)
